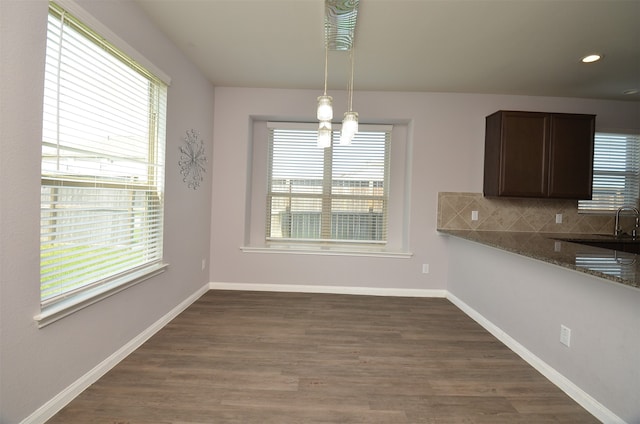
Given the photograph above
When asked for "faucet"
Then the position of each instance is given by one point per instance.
(617, 231)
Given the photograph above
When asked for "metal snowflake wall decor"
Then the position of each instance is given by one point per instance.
(192, 160)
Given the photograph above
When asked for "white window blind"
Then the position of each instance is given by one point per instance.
(102, 164)
(337, 194)
(616, 173)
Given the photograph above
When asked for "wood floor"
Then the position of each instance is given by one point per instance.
(255, 357)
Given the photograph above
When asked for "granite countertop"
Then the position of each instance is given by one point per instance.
(614, 265)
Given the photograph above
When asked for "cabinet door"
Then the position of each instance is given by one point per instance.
(524, 153)
(571, 156)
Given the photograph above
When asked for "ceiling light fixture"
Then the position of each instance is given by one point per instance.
(339, 28)
(591, 58)
(340, 18)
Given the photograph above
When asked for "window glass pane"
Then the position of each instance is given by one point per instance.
(616, 173)
(102, 163)
(333, 194)
(362, 163)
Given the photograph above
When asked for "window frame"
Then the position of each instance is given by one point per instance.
(398, 207)
(58, 306)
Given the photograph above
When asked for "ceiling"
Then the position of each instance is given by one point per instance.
(524, 47)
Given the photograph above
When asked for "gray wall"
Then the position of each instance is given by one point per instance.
(529, 300)
(37, 364)
(446, 148)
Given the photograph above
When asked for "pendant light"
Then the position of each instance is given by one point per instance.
(339, 28)
(325, 109)
(324, 134)
(350, 120)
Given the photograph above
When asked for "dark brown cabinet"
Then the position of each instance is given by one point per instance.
(537, 154)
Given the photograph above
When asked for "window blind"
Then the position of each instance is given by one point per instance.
(336, 194)
(102, 163)
(616, 173)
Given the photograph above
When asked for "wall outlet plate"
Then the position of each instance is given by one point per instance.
(565, 335)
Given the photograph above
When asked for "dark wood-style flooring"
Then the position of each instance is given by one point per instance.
(259, 357)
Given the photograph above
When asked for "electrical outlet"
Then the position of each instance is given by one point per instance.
(425, 268)
(558, 218)
(204, 264)
(565, 335)
(474, 215)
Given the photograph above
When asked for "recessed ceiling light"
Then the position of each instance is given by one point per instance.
(591, 58)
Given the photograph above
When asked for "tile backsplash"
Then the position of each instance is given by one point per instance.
(518, 215)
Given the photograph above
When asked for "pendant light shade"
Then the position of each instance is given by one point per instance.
(324, 134)
(325, 108)
(349, 127)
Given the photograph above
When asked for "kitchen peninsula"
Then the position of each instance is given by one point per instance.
(511, 272)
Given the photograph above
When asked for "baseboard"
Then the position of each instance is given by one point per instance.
(367, 291)
(594, 407)
(49, 409)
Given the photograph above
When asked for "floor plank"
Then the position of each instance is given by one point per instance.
(256, 357)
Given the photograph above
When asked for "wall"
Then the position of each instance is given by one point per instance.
(38, 364)
(445, 154)
(529, 300)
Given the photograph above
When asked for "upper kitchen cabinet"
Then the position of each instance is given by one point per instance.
(537, 154)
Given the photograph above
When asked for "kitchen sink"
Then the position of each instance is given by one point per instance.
(622, 243)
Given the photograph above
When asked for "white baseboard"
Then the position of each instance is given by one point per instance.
(49, 409)
(581, 397)
(367, 291)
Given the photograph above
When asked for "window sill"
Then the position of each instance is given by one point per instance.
(59, 310)
(328, 250)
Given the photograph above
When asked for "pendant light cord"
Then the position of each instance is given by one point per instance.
(350, 86)
(326, 60)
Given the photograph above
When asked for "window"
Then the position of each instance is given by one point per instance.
(616, 173)
(337, 194)
(102, 166)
